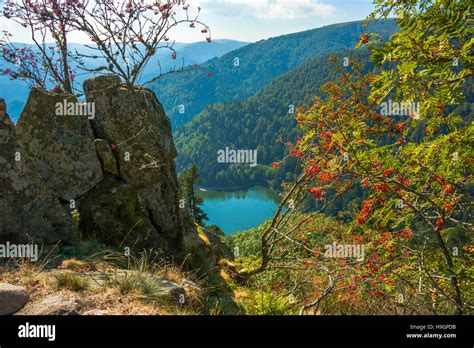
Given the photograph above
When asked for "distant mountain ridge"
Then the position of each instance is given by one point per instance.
(239, 74)
(16, 92)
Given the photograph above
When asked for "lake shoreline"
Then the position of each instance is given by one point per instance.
(239, 210)
(233, 188)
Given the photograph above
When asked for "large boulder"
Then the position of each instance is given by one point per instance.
(12, 298)
(113, 214)
(61, 143)
(133, 121)
(28, 209)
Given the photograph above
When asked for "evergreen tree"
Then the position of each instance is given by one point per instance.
(188, 180)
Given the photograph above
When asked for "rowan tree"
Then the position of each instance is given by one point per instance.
(411, 188)
(124, 37)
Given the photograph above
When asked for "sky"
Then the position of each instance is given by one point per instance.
(248, 20)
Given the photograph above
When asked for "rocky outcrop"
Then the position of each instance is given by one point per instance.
(28, 209)
(106, 157)
(114, 215)
(203, 248)
(12, 298)
(133, 122)
(60, 142)
(53, 305)
(118, 166)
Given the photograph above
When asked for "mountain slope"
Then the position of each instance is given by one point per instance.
(256, 123)
(257, 64)
(16, 92)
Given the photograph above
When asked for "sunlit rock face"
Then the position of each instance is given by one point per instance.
(29, 211)
(134, 124)
(60, 142)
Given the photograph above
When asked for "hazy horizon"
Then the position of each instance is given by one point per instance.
(245, 20)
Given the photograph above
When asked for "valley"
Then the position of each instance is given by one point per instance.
(318, 169)
(239, 210)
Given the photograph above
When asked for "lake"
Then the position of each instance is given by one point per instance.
(241, 210)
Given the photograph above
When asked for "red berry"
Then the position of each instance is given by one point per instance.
(406, 233)
(317, 191)
(400, 126)
(448, 206)
(448, 188)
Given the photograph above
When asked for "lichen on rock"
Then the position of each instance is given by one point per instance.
(113, 214)
(28, 209)
(106, 157)
(61, 146)
(134, 123)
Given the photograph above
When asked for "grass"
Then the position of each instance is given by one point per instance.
(76, 265)
(267, 303)
(203, 236)
(70, 280)
(110, 282)
(216, 307)
(127, 284)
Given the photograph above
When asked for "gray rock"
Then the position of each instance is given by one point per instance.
(103, 82)
(190, 286)
(114, 215)
(156, 287)
(4, 116)
(28, 209)
(61, 146)
(96, 312)
(219, 247)
(204, 248)
(134, 121)
(53, 305)
(106, 156)
(168, 291)
(12, 298)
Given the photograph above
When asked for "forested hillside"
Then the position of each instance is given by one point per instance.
(240, 73)
(264, 122)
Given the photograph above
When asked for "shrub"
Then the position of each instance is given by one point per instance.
(267, 303)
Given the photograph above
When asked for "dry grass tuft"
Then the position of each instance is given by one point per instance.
(70, 280)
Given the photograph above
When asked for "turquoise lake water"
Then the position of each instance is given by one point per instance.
(239, 210)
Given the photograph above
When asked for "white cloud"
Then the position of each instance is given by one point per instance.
(266, 9)
(246, 20)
